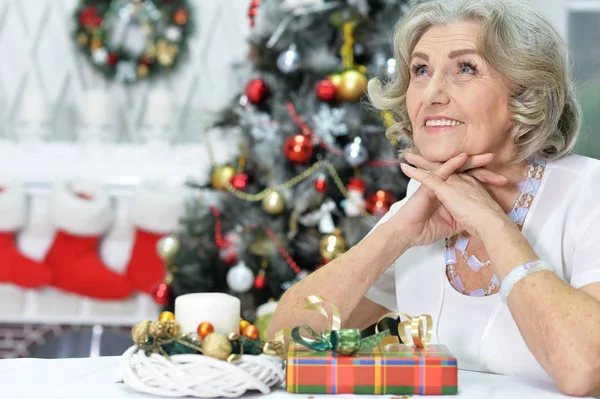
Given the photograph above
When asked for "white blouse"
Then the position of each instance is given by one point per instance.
(563, 227)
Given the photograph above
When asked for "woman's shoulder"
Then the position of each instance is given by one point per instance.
(575, 165)
(574, 182)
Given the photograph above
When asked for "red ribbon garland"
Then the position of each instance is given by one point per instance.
(220, 241)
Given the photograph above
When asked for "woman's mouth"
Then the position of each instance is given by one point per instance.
(441, 125)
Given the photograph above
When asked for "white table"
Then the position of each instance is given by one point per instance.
(96, 378)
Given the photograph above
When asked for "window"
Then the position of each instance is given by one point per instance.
(583, 38)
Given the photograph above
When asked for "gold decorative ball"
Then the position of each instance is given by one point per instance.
(167, 247)
(274, 348)
(243, 325)
(274, 203)
(143, 70)
(216, 345)
(336, 79)
(164, 329)
(204, 329)
(221, 176)
(353, 85)
(332, 245)
(166, 316)
(82, 39)
(165, 59)
(139, 333)
(251, 332)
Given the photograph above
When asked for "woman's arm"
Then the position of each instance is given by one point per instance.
(560, 324)
(344, 281)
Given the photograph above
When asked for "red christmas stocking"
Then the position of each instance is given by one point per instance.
(82, 213)
(15, 267)
(155, 212)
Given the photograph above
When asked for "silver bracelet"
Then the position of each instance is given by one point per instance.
(520, 272)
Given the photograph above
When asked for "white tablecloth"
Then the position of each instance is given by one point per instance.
(97, 378)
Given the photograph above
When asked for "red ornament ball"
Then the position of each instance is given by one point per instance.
(260, 281)
(321, 184)
(298, 149)
(239, 181)
(112, 58)
(90, 18)
(256, 91)
(379, 202)
(326, 90)
(161, 294)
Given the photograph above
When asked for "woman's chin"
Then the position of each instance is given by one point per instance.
(438, 154)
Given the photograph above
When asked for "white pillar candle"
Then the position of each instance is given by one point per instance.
(221, 310)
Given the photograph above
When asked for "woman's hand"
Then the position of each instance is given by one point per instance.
(465, 204)
(423, 220)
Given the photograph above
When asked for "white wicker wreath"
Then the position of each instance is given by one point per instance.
(200, 376)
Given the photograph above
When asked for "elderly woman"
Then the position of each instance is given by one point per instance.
(499, 233)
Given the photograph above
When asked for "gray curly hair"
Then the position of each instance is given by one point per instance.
(522, 45)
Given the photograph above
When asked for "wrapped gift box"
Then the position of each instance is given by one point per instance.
(386, 369)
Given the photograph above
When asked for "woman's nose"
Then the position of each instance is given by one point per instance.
(436, 92)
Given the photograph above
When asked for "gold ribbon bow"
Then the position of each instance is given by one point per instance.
(420, 328)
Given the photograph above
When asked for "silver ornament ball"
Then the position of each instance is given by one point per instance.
(240, 278)
(355, 153)
(289, 61)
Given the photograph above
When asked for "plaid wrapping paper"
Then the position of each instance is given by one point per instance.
(388, 369)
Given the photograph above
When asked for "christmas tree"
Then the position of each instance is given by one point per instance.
(315, 169)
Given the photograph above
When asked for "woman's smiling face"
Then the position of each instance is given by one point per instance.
(456, 101)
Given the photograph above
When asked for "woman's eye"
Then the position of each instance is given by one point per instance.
(419, 70)
(467, 68)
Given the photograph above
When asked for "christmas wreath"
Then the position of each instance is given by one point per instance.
(129, 40)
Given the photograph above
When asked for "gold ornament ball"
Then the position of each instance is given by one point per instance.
(243, 324)
(167, 247)
(143, 70)
(251, 332)
(336, 79)
(221, 176)
(353, 85)
(164, 329)
(166, 316)
(216, 345)
(139, 333)
(204, 329)
(82, 39)
(165, 59)
(332, 245)
(273, 203)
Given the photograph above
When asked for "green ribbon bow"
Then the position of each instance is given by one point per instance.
(345, 342)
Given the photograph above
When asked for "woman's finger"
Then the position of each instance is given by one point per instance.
(449, 167)
(429, 180)
(488, 177)
(473, 161)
